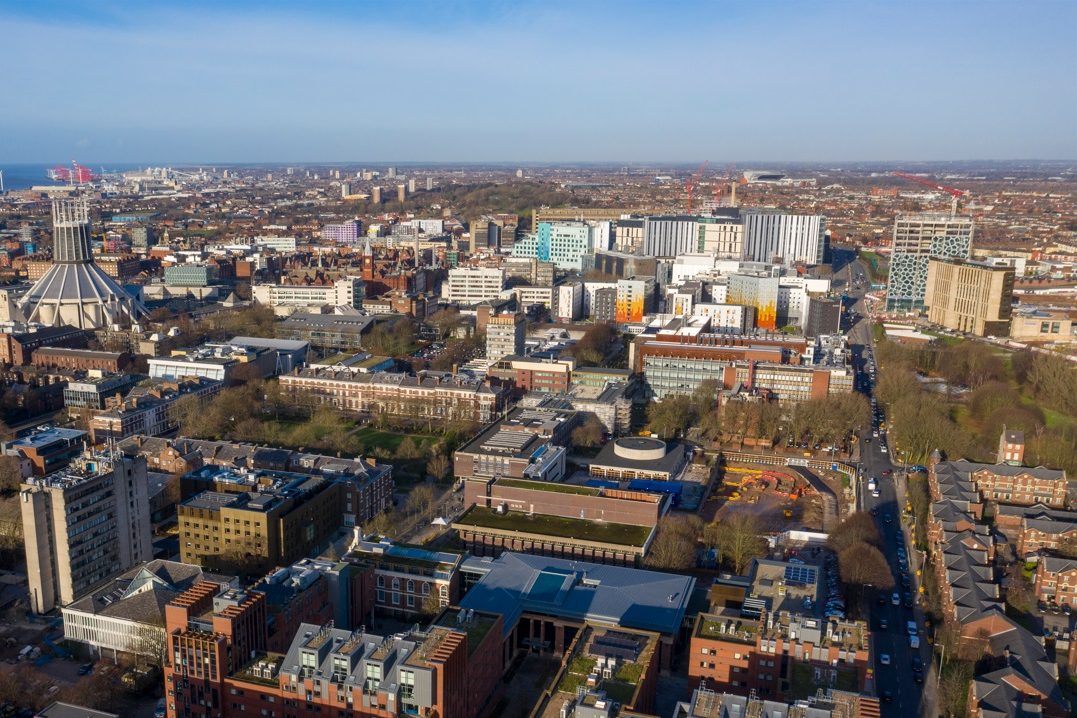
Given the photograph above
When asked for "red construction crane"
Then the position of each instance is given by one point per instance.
(691, 182)
(953, 192)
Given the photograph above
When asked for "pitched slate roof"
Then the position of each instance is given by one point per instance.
(971, 579)
(1027, 670)
(141, 593)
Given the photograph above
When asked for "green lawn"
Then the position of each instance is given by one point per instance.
(367, 439)
(618, 534)
(1055, 419)
(944, 339)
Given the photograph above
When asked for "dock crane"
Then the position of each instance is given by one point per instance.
(953, 192)
(691, 183)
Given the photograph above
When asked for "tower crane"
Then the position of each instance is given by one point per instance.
(691, 183)
(953, 192)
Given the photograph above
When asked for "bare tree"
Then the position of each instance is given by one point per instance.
(857, 528)
(737, 539)
(438, 466)
(864, 565)
(674, 547)
(1067, 545)
(954, 687)
(589, 433)
(421, 499)
(10, 474)
(431, 605)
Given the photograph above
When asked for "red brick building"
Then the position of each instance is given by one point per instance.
(217, 664)
(1015, 676)
(775, 655)
(210, 634)
(1056, 581)
(81, 359)
(18, 349)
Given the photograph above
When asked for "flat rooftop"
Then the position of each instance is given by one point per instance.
(515, 583)
(560, 527)
(41, 439)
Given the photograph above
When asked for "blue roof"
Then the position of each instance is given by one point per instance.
(43, 438)
(626, 597)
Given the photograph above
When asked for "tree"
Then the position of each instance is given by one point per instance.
(421, 499)
(431, 604)
(674, 546)
(445, 320)
(1054, 381)
(670, 417)
(10, 474)
(408, 449)
(954, 687)
(857, 528)
(186, 414)
(382, 524)
(588, 434)
(24, 686)
(1067, 545)
(738, 539)
(150, 640)
(862, 564)
(438, 466)
(1019, 594)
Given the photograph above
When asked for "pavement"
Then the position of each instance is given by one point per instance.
(907, 697)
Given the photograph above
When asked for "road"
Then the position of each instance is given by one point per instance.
(902, 694)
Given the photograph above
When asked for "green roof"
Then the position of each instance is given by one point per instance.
(595, 531)
(549, 486)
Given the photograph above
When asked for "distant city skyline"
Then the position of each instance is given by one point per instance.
(531, 82)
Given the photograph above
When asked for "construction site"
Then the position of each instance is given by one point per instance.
(781, 498)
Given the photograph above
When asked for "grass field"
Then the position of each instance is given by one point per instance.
(367, 439)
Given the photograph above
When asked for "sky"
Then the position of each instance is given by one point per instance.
(551, 81)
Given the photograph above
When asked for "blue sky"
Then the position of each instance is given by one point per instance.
(110, 82)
